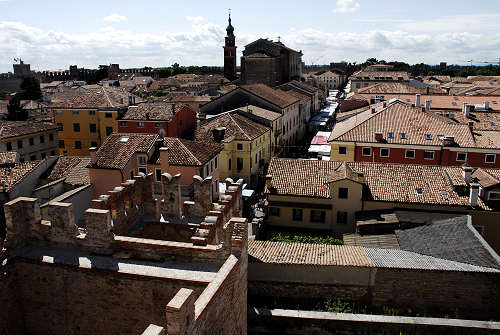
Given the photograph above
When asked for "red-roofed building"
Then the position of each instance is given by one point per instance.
(167, 120)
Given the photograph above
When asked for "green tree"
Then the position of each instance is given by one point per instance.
(31, 89)
(14, 111)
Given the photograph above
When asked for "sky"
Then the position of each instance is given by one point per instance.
(54, 34)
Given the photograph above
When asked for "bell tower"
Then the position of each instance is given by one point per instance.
(230, 52)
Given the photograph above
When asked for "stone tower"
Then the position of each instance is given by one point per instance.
(230, 53)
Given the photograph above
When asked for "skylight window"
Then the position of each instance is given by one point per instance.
(454, 103)
(494, 102)
(419, 191)
(124, 139)
(390, 135)
(428, 137)
(440, 137)
(492, 123)
(402, 136)
(443, 192)
(456, 99)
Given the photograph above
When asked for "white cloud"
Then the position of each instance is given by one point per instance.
(346, 6)
(201, 45)
(114, 18)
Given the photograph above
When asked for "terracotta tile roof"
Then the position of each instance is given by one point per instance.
(73, 168)
(9, 177)
(348, 105)
(487, 139)
(371, 75)
(344, 171)
(185, 152)
(186, 98)
(441, 101)
(400, 118)
(260, 112)
(117, 150)
(481, 120)
(302, 97)
(399, 88)
(238, 127)
(307, 254)
(278, 97)
(484, 78)
(9, 157)
(9, 129)
(305, 86)
(487, 177)
(258, 55)
(158, 111)
(386, 182)
(486, 91)
(442, 79)
(387, 241)
(102, 97)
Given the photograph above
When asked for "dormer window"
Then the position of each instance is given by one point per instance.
(428, 137)
(390, 135)
(142, 160)
(419, 191)
(402, 136)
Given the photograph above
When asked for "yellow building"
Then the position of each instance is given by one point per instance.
(329, 195)
(247, 145)
(86, 117)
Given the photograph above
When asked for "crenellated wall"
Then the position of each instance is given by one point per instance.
(96, 271)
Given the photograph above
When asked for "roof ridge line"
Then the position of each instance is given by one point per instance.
(248, 137)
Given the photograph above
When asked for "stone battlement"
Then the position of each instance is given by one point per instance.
(125, 206)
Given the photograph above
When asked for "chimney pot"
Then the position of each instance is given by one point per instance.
(474, 194)
(164, 163)
(427, 105)
(93, 155)
(467, 173)
(417, 100)
(486, 104)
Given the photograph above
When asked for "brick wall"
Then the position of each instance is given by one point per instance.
(467, 294)
(263, 321)
(70, 300)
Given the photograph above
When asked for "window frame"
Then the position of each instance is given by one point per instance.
(388, 152)
(139, 157)
(341, 194)
(344, 149)
(123, 124)
(407, 151)
(322, 214)
(79, 146)
(460, 160)
(363, 151)
(493, 192)
(295, 216)
(76, 126)
(344, 214)
(494, 158)
(156, 174)
(94, 129)
(274, 211)
(429, 151)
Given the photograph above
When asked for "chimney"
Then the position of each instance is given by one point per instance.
(427, 105)
(467, 172)
(218, 134)
(130, 100)
(427, 90)
(448, 141)
(384, 104)
(417, 100)
(486, 104)
(379, 136)
(373, 110)
(164, 159)
(465, 110)
(93, 157)
(474, 193)
(121, 101)
(173, 108)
